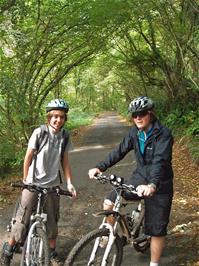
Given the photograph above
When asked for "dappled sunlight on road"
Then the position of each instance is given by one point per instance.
(90, 147)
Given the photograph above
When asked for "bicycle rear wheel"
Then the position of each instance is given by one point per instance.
(38, 251)
(81, 252)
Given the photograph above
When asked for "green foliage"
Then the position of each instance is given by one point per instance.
(11, 155)
(78, 118)
(186, 125)
(188, 122)
(42, 42)
(98, 55)
(192, 123)
(183, 119)
(193, 146)
(7, 156)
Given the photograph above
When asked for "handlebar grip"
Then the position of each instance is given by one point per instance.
(65, 192)
(98, 175)
(19, 184)
(39, 189)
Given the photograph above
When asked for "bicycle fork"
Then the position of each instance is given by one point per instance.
(111, 239)
(30, 235)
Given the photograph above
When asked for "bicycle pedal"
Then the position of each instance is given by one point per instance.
(141, 239)
(18, 249)
(124, 241)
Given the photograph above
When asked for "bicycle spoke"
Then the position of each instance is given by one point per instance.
(37, 254)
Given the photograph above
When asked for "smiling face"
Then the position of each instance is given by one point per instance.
(56, 119)
(142, 120)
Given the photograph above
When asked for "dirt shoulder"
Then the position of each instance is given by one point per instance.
(184, 224)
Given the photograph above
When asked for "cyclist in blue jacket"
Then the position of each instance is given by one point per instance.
(153, 177)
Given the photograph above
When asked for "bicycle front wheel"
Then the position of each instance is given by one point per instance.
(36, 248)
(91, 248)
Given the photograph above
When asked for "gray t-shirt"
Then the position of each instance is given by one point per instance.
(48, 170)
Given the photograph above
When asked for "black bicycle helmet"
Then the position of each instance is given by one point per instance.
(140, 104)
(57, 104)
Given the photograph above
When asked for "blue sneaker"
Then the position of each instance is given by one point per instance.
(54, 259)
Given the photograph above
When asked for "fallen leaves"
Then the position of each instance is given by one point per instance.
(184, 222)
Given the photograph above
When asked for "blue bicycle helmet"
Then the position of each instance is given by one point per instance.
(57, 104)
(140, 104)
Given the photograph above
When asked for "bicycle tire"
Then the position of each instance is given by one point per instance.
(17, 246)
(80, 254)
(14, 213)
(143, 246)
(18, 201)
(38, 241)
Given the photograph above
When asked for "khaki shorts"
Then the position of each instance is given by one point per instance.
(27, 205)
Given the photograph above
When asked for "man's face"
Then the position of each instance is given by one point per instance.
(142, 120)
(57, 119)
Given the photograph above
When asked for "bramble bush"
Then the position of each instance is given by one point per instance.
(186, 125)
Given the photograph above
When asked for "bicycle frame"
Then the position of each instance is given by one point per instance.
(121, 224)
(36, 246)
(39, 218)
(104, 245)
(111, 239)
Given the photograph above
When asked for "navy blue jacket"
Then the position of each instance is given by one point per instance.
(154, 166)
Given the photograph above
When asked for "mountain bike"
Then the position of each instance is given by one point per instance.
(36, 247)
(104, 245)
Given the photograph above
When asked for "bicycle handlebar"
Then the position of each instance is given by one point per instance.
(117, 182)
(35, 188)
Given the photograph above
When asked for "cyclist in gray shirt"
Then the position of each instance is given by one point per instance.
(47, 167)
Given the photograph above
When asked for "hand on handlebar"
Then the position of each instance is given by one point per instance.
(145, 190)
(93, 172)
(72, 189)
